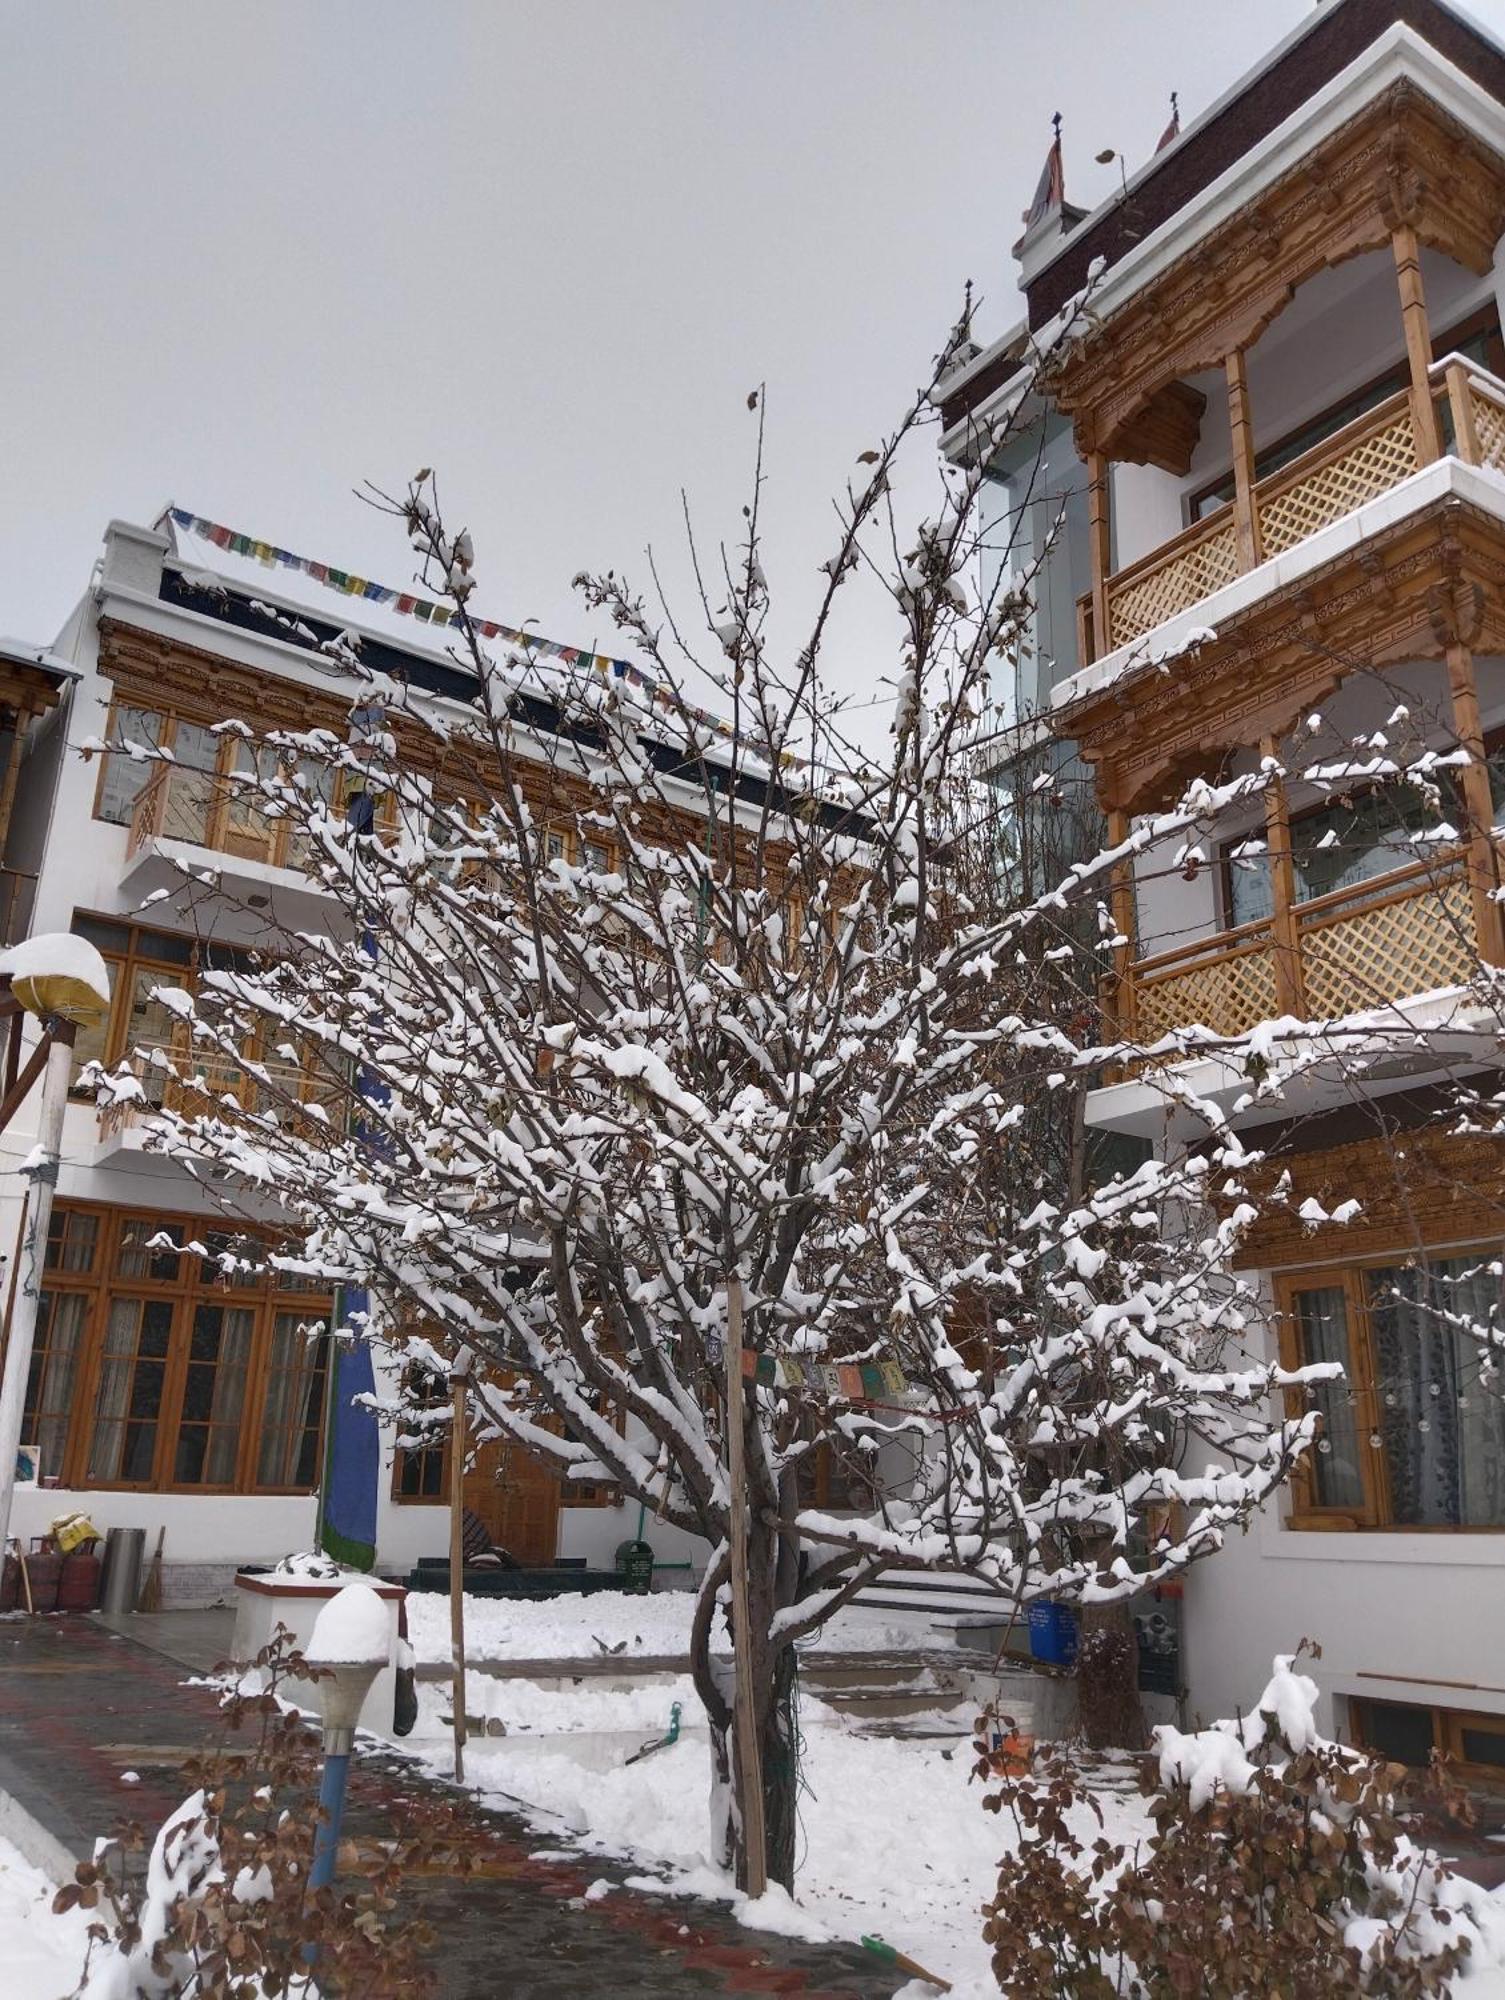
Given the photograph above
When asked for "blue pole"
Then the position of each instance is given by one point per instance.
(332, 1813)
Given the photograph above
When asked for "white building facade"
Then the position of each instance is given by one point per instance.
(1288, 416)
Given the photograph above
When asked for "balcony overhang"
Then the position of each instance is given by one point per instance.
(1396, 579)
(1429, 1038)
(158, 863)
(1402, 160)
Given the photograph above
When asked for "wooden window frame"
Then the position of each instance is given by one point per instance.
(187, 1288)
(1448, 1728)
(439, 1449)
(279, 832)
(1307, 1513)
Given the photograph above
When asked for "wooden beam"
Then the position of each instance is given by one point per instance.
(1483, 859)
(1100, 544)
(1241, 431)
(1413, 311)
(1122, 905)
(1290, 992)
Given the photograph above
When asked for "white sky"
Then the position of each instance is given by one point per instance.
(252, 255)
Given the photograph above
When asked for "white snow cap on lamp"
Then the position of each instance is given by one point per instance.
(351, 1642)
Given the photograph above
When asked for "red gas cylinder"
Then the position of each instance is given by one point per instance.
(44, 1569)
(82, 1572)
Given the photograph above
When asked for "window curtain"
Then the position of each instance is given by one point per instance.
(293, 1404)
(1337, 1475)
(1443, 1429)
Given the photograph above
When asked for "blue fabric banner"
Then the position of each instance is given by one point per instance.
(352, 1451)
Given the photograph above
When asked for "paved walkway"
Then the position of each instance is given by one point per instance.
(81, 1703)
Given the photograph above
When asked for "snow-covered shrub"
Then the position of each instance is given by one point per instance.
(221, 1908)
(1279, 1864)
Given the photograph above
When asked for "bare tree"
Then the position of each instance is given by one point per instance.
(636, 1028)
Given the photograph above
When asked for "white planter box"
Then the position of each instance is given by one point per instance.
(262, 1603)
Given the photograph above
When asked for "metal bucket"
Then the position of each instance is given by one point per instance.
(125, 1551)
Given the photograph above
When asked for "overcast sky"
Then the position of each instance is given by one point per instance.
(250, 256)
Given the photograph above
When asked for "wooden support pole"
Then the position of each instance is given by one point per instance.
(1290, 988)
(748, 1749)
(1478, 805)
(1100, 541)
(1122, 905)
(1241, 431)
(1461, 404)
(1413, 310)
(459, 1376)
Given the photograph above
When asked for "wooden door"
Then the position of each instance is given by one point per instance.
(517, 1496)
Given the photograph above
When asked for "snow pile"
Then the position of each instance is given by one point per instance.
(184, 1863)
(354, 1629)
(43, 1954)
(616, 1623)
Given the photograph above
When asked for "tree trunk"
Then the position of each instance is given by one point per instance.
(781, 1776)
(1112, 1714)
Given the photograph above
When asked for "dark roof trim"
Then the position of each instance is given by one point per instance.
(227, 606)
(1342, 31)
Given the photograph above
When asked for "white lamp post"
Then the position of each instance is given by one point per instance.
(350, 1644)
(63, 981)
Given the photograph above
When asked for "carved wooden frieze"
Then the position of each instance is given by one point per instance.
(1404, 595)
(1401, 162)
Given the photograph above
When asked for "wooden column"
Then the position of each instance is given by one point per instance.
(1100, 540)
(1241, 431)
(1290, 992)
(1483, 871)
(1461, 403)
(1413, 312)
(1124, 1023)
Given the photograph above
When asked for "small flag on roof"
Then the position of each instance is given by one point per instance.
(1051, 191)
(1173, 130)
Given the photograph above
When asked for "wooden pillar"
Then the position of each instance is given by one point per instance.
(1483, 872)
(1461, 403)
(1122, 905)
(1413, 311)
(12, 774)
(1290, 988)
(1241, 431)
(1100, 539)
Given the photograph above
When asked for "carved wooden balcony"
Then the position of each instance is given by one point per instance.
(1380, 941)
(1355, 465)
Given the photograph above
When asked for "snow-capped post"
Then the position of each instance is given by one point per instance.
(350, 1644)
(749, 1756)
(459, 1377)
(63, 982)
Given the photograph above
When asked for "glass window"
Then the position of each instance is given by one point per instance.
(72, 1238)
(53, 1379)
(1337, 846)
(1397, 1731)
(193, 790)
(125, 777)
(294, 1408)
(149, 1249)
(1337, 1475)
(133, 1373)
(1443, 1431)
(214, 1396)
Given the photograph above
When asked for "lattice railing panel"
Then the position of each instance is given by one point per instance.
(1389, 951)
(1228, 995)
(1142, 602)
(1370, 466)
(1489, 427)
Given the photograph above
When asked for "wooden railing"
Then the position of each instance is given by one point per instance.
(204, 809)
(1355, 465)
(1397, 935)
(199, 1083)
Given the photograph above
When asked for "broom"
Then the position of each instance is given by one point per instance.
(151, 1591)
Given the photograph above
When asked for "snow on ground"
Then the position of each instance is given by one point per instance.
(893, 1836)
(569, 1627)
(41, 1955)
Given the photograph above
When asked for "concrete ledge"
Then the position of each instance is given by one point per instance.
(33, 1842)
